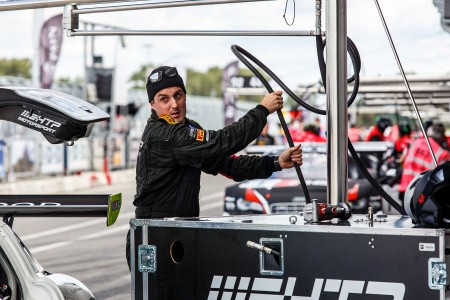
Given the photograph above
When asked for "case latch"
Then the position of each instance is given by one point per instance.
(437, 274)
(147, 258)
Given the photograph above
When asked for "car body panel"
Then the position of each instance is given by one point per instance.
(283, 193)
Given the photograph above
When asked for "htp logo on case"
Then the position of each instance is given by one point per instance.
(235, 288)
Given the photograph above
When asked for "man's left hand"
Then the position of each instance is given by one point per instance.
(290, 156)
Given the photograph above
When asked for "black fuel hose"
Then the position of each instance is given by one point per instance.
(320, 44)
(240, 53)
(373, 182)
(355, 57)
(237, 51)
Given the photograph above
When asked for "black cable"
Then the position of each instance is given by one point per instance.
(355, 57)
(320, 44)
(372, 181)
(236, 50)
(285, 10)
(356, 63)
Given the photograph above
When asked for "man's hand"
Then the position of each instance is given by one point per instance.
(290, 156)
(273, 101)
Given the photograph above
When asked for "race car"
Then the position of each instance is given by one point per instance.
(282, 192)
(61, 118)
(21, 275)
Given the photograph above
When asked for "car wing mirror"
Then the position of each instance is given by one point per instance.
(60, 117)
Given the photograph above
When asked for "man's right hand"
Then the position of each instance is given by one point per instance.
(273, 101)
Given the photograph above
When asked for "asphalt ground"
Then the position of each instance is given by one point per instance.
(84, 247)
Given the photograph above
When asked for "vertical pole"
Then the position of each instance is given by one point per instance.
(38, 19)
(337, 131)
(85, 95)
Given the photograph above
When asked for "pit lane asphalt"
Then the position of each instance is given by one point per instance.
(84, 247)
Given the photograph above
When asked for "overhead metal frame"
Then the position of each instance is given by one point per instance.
(72, 13)
(34, 4)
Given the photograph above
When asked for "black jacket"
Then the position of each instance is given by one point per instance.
(172, 156)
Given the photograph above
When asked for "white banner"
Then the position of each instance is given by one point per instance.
(51, 158)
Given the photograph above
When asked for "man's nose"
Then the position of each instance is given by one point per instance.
(173, 102)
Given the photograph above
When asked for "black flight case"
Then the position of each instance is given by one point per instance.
(281, 257)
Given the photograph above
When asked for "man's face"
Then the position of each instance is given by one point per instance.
(170, 101)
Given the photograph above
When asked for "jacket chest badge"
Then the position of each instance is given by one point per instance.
(200, 135)
(168, 119)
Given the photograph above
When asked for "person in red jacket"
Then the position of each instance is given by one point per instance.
(403, 141)
(310, 133)
(354, 133)
(419, 159)
(376, 133)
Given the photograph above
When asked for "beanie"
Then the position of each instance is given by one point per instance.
(162, 78)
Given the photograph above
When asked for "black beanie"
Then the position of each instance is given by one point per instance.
(165, 81)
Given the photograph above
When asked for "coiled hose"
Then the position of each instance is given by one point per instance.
(354, 55)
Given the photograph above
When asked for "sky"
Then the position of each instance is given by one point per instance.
(422, 44)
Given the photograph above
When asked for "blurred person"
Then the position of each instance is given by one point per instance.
(403, 141)
(418, 158)
(427, 124)
(394, 158)
(310, 133)
(445, 141)
(376, 133)
(354, 133)
(318, 124)
(174, 150)
(265, 138)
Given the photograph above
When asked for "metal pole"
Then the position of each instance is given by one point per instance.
(318, 17)
(158, 5)
(38, 21)
(33, 4)
(402, 72)
(337, 131)
(189, 33)
(85, 60)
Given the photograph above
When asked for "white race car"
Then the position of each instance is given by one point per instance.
(21, 275)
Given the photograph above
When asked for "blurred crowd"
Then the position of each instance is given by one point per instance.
(409, 154)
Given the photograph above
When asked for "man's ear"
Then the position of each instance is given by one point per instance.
(152, 103)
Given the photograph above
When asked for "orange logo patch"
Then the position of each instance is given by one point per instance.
(200, 135)
(168, 119)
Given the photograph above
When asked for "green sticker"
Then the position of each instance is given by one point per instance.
(114, 205)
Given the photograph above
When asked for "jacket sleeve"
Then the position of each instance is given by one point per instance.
(193, 145)
(241, 168)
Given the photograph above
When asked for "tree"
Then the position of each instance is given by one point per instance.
(139, 77)
(204, 84)
(197, 83)
(18, 67)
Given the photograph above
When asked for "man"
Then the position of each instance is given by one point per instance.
(174, 150)
(265, 138)
(376, 133)
(419, 159)
(310, 133)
